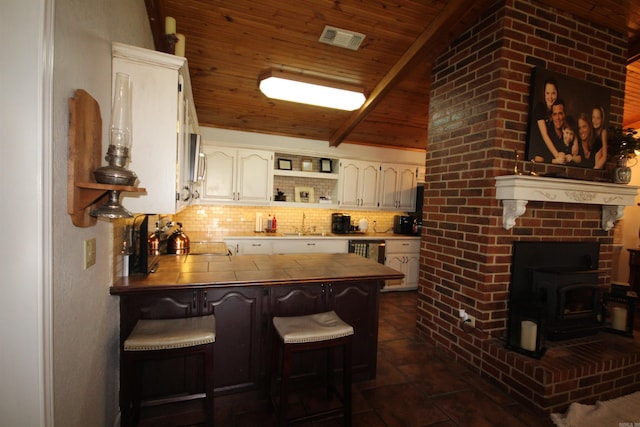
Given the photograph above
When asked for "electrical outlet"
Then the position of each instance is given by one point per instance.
(89, 252)
(470, 320)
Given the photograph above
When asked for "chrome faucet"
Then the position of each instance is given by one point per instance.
(302, 229)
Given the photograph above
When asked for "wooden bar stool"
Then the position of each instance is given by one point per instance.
(165, 339)
(304, 333)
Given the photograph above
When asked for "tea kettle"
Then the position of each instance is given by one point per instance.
(178, 242)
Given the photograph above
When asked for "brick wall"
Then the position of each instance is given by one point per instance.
(478, 117)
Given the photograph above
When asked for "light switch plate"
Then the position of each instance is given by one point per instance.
(89, 252)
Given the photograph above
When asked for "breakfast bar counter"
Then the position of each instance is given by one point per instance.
(245, 293)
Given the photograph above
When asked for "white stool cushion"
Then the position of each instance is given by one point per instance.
(312, 328)
(164, 334)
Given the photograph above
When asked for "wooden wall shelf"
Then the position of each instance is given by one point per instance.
(85, 150)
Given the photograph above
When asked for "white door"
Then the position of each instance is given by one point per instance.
(220, 182)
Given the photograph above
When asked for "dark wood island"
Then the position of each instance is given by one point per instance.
(244, 293)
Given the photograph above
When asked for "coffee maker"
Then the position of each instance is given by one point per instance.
(340, 223)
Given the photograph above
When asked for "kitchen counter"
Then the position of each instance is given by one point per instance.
(245, 292)
(176, 272)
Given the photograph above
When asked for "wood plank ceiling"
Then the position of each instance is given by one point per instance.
(230, 43)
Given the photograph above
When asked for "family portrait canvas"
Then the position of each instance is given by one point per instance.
(568, 121)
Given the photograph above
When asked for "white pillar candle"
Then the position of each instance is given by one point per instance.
(528, 333)
(619, 318)
(180, 45)
(169, 25)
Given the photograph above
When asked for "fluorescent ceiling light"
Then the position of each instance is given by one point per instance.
(308, 90)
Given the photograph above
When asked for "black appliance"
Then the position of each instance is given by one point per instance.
(372, 249)
(340, 223)
(406, 224)
(140, 261)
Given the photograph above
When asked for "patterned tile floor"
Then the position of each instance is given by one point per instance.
(417, 385)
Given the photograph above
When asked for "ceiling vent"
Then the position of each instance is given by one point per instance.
(341, 38)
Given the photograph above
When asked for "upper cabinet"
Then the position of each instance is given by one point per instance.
(398, 187)
(358, 184)
(237, 175)
(163, 117)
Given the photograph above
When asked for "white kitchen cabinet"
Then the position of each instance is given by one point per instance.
(398, 187)
(163, 116)
(238, 176)
(403, 255)
(310, 245)
(249, 246)
(358, 184)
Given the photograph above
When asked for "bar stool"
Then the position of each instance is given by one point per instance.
(165, 339)
(304, 333)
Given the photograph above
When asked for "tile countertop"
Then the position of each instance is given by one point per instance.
(179, 272)
(211, 237)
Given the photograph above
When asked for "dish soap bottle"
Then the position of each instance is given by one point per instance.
(273, 223)
(269, 222)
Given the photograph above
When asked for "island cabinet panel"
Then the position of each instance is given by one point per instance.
(240, 337)
(245, 333)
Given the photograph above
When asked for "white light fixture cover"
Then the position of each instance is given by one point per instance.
(307, 90)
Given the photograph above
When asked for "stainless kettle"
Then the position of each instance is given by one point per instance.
(178, 242)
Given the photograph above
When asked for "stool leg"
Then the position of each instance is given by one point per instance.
(346, 383)
(330, 374)
(209, 386)
(272, 378)
(284, 386)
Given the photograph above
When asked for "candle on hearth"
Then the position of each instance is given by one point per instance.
(619, 318)
(528, 335)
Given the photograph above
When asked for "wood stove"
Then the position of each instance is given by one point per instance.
(562, 277)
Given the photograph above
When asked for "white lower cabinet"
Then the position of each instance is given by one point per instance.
(249, 247)
(403, 255)
(307, 246)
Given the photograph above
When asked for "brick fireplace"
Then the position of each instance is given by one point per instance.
(478, 114)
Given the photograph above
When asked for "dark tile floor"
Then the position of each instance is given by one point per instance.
(417, 385)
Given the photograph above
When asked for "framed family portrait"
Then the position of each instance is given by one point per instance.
(568, 120)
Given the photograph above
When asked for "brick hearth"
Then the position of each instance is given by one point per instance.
(598, 367)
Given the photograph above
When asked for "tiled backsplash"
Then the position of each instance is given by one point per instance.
(214, 220)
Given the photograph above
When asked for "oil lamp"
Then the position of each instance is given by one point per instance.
(115, 173)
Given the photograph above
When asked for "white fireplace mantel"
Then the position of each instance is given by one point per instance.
(516, 190)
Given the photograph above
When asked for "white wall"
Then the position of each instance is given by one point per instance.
(86, 317)
(24, 254)
(41, 268)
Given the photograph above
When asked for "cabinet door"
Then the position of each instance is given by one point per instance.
(406, 188)
(357, 304)
(220, 182)
(255, 176)
(412, 272)
(390, 176)
(369, 189)
(395, 261)
(398, 187)
(349, 183)
(359, 184)
(241, 345)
